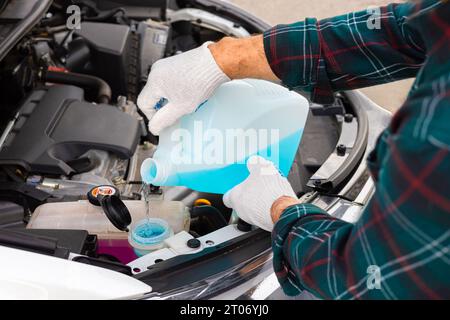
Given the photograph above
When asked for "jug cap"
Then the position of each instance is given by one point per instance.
(116, 211)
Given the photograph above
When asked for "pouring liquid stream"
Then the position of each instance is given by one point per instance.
(146, 192)
(149, 229)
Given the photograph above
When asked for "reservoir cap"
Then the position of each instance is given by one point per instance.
(96, 194)
(116, 211)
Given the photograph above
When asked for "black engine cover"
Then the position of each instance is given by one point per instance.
(114, 51)
(56, 126)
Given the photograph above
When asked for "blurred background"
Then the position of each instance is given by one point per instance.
(391, 96)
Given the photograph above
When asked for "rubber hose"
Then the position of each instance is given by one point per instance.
(105, 15)
(81, 80)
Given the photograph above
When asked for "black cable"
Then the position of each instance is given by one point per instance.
(340, 197)
(66, 37)
(135, 182)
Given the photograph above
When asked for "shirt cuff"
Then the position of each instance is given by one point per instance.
(294, 55)
(289, 282)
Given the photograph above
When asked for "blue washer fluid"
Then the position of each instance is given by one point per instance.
(208, 149)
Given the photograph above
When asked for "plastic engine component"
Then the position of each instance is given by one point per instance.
(76, 241)
(56, 127)
(112, 45)
(154, 38)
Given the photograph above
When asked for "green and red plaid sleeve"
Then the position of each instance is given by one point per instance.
(404, 231)
(350, 51)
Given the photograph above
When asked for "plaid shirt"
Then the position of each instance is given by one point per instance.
(403, 234)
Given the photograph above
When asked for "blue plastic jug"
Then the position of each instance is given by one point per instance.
(208, 149)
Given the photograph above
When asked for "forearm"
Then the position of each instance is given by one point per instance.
(306, 240)
(394, 250)
(243, 58)
(320, 57)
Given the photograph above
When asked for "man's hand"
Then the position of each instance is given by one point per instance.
(254, 198)
(185, 81)
(280, 205)
(189, 79)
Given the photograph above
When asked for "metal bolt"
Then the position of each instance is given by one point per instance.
(193, 243)
(341, 150)
(118, 180)
(147, 145)
(348, 117)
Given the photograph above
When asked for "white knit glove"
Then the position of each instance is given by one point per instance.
(186, 81)
(253, 198)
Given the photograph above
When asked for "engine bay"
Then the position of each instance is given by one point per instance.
(69, 117)
(70, 123)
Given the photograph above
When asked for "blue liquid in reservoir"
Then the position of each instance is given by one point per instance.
(149, 230)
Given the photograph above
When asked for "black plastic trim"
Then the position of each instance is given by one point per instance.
(110, 265)
(341, 175)
(356, 154)
(33, 243)
(186, 269)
